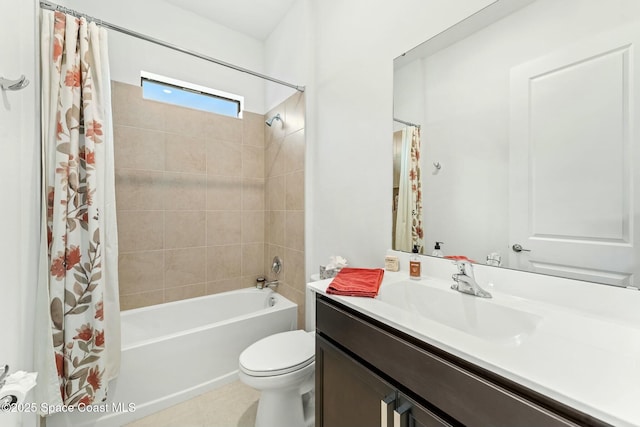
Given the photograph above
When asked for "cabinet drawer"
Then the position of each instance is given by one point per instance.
(466, 395)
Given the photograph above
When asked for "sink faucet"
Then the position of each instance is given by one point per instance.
(466, 281)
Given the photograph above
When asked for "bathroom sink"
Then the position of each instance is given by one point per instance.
(476, 316)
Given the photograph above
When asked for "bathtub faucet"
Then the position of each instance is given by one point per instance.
(261, 283)
(271, 283)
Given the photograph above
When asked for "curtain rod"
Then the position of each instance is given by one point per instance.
(51, 6)
(406, 123)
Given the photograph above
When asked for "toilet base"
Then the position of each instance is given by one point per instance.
(285, 408)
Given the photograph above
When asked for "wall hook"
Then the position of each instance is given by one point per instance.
(7, 84)
(437, 165)
(4, 371)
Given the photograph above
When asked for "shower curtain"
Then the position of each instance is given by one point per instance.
(409, 232)
(78, 323)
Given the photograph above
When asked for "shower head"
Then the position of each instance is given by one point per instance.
(269, 122)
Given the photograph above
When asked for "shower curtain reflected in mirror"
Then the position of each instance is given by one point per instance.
(78, 339)
(408, 221)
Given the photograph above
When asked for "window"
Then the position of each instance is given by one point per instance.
(171, 91)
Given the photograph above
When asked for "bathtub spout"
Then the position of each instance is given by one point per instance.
(272, 284)
(261, 283)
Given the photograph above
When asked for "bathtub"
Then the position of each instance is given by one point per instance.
(175, 351)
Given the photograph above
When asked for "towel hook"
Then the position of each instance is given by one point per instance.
(7, 84)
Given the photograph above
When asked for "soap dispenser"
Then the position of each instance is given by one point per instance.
(415, 265)
(436, 250)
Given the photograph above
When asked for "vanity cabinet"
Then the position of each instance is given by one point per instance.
(354, 396)
(369, 374)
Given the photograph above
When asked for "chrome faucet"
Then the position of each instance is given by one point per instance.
(466, 281)
(271, 283)
(261, 284)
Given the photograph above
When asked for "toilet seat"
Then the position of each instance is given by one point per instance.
(278, 354)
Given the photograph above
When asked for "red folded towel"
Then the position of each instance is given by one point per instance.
(459, 258)
(357, 282)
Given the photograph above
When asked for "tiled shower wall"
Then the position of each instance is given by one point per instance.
(284, 172)
(190, 195)
(196, 196)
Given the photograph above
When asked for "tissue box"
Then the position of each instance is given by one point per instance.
(328, 273)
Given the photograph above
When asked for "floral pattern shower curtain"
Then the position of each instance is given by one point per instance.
(78, 281)
(409, 231)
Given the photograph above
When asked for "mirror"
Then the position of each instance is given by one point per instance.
(528, 120)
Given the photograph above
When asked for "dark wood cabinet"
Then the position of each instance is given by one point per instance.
(354, 396)
(364, 367)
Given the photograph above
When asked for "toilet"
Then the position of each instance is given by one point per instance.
(282, 367)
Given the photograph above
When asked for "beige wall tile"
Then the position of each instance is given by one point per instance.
(224, 158)
(185, 292)
(188, 122)
(224, 193)
(139, 190)
(140, 271)
(224, 227)
(275, 228)
(294, 272)
(294, 230)
(225, 285)
(226, 128)
(294, 194)
(137, 148)
(224, 262)
(252, 256)
(253, 194)
(185, 191)
(249, 281)
(253, 129)
(252, 162)
(184, 229)
(140, 230)
(274, 158)
(185, 154)
(144, 299)
(275, 193)
(294, 146)
(192, 188)
(253, 227)
(133, 110)
(295, 296)
(185, 267)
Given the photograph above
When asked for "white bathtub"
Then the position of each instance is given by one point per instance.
(175, 351)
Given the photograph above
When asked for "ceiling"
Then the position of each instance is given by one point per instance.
(255, 18)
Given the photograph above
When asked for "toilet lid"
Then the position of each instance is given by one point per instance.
(278, 354)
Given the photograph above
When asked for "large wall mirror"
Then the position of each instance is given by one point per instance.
(527, 122)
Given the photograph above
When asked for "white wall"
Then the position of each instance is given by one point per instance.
(176, 26)
(350, 159)
(288, 53)
(465, 116)
(18, 194)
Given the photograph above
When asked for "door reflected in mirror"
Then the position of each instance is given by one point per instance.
(530, 110)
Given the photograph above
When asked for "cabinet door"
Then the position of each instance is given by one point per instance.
(410, 413)
(347, 394)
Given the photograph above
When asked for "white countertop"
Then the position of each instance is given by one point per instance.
(582, 358)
